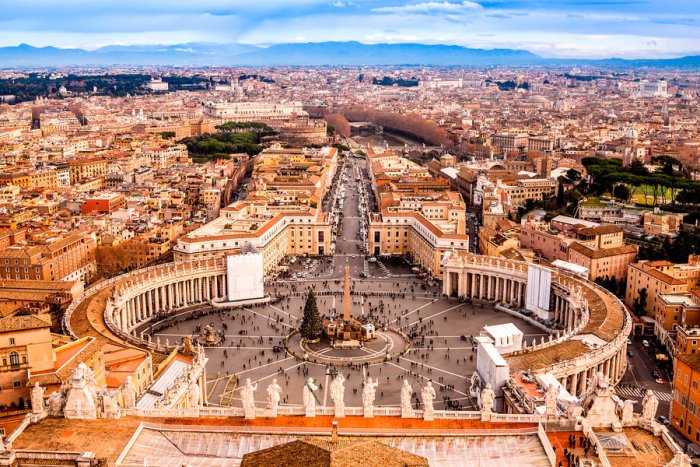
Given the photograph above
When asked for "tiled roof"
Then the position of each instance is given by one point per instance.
(24, 323)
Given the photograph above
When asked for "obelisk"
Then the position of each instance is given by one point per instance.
(346, 293)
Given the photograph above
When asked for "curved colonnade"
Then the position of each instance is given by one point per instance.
(127, 302)
(595, 322)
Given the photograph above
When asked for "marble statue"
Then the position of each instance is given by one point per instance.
(274, 392)
(193, 394)
(81, 395)
(129, 393)
(428, 395)
(602, 380)
(55, 404)
(110, 406)
(550, 400)
(368, 395)
(627, 412)
(309, 398)
(649, 405)
(406, 395)
(38, 399)
(248, 398)
(337, 390)
(573, 411)
(487, 398)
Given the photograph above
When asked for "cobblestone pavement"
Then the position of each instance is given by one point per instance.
(441, 353)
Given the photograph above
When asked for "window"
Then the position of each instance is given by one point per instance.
(14, 359)
(12, 341)
(17, 384)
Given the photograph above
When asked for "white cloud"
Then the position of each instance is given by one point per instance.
(340, 4)
(430, 8)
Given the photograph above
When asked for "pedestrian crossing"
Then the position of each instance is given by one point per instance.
(633, 391)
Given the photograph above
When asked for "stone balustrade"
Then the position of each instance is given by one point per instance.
(595, 323)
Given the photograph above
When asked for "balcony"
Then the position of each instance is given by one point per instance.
(18, 367)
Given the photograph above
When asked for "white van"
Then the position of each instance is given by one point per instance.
(645, 343)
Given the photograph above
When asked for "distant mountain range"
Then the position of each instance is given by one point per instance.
(312, 54)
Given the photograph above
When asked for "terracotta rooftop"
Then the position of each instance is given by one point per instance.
(314, 452)
(25, 323)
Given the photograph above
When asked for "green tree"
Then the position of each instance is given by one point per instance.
(640, 303)
(311, 324)
(560, 195)
(667, 163)
(621, 191)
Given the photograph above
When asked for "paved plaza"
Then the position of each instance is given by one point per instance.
(440, 330)
(441, 349)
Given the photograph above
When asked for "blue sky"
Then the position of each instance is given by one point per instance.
(554, 28)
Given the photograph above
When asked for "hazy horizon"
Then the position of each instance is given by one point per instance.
(552, 29)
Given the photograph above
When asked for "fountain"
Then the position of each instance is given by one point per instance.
(347, 333)
(210, 338)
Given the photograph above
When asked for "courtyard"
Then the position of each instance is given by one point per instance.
(440, 344)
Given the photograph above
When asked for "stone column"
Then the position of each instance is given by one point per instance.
(132, 312)
(584, 381)
(473, 290)
(137, 309)
(574, 384)
(156, 300)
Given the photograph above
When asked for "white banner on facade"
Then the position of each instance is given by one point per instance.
(539, 286)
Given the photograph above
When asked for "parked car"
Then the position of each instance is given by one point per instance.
(630, 354)
(655, 374)
(663, 420)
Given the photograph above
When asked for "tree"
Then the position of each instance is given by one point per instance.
(667, 163)
(638, 168)
(622, 192)
(311, 325)
(339, 123)
(573, 175)
(560, 195)
(640, 303)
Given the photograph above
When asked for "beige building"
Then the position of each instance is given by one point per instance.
(25, 346)
(281, 215)
(661, 277)
(414, 219)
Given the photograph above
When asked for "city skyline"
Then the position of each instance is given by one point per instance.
(561, 29)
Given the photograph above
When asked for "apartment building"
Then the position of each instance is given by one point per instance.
(685, 402)
(661, 277)
(673, 311)
(281, 215)
(25, 345)
(87, 168)
(104, 203)
(420, 223)
(62, 257)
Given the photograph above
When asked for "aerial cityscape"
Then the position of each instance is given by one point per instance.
(351, 233)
